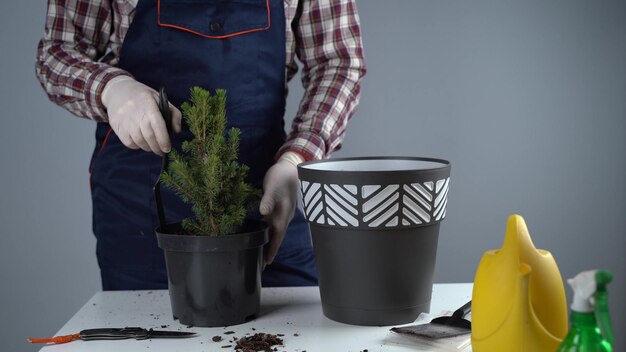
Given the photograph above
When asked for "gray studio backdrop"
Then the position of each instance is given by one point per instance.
(527, 99)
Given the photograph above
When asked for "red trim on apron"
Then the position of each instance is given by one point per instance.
(93, 164)
(162, 24)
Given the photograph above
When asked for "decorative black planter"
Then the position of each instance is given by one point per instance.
(214, 281)
(375, 225)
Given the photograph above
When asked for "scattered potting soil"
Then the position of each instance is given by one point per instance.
(229, 332)
(227, 346)
(258, 342)
(164, 326)
(217, 338)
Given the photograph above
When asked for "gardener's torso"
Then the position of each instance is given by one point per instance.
(238, 46)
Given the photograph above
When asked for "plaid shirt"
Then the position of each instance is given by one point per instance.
(80, 50)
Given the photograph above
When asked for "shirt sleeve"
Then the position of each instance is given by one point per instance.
(69, 56)
(329, 45)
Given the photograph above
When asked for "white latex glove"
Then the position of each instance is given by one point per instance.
(134, 115)
(278, 203)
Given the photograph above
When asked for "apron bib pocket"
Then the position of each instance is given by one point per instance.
(215, 18)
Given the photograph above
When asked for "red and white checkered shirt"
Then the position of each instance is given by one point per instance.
(80, 50)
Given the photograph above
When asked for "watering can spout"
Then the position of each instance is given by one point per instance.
(518, 298)
(517, 238)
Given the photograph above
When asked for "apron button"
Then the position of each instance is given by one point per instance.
(215, 26)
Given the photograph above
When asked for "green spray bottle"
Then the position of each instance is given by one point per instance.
(590, 323)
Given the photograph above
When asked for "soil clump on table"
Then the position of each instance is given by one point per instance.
(258, 342)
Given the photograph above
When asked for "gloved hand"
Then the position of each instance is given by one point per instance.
(134, 115)
(278, 203)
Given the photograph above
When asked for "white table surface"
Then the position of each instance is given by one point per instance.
(288, 311)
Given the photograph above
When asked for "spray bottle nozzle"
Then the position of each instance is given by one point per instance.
(584, 287)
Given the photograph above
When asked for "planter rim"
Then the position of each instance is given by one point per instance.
(255, 235)
(309, 166)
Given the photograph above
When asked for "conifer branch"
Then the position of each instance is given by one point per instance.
(207, 173)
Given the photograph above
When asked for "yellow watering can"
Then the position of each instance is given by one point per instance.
(518, 302)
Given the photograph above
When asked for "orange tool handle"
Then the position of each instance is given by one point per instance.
(56, 339)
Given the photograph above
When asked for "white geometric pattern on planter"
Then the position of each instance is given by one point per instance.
(375, 206)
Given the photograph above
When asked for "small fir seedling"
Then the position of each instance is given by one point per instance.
(207, 174)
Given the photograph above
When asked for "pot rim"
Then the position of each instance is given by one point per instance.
(256, 235)
(306, 166)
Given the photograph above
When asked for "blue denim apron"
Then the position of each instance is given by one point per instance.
(237, 45)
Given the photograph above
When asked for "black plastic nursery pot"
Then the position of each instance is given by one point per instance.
(375, 227)
(214, 281)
